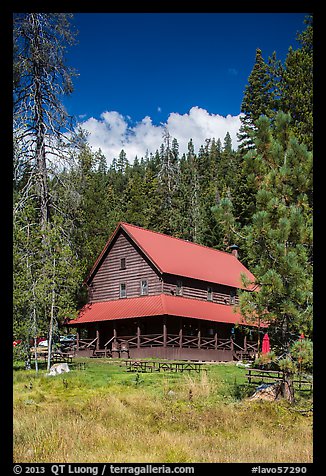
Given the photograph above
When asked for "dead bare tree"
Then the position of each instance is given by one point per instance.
(42, 128)
(44, 137)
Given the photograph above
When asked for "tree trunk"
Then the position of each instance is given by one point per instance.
(40, 128)
(258, 338)
(35, 342)
(35, 330)
(51, 321)
(287, 388)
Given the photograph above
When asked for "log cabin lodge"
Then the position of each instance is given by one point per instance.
(153, 295)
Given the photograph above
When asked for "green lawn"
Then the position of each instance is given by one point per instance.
(106, 414)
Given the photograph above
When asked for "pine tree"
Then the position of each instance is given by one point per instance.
(135, 199)
(168, 174)
(152, 205)
(276, 71)
(297, 85)
(190, 217)
(279, 240)
(122, 162)
(257, 100)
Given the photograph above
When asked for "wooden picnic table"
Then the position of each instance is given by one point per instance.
(55, 356)
(159, 366)
(62, 357)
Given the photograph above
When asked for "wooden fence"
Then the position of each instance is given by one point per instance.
(258, 376)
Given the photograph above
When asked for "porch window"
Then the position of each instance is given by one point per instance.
(144, 287)
(209, 294)
(123, 290)
(179, 288)
(123, 263)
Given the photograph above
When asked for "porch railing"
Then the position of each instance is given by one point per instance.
(184, 341)
(84, 344)
(107, 345)
(172, 340)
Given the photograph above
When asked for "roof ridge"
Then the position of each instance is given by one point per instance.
(176, 238)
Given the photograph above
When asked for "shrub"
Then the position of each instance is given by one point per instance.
(301, 352)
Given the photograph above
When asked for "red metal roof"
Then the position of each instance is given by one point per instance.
(184, 258)
(159, 305)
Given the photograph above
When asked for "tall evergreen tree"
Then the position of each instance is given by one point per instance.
(297, 85)
(256, 101)
(190, 217)
(279, 240)
(168, 174)
(135, 200)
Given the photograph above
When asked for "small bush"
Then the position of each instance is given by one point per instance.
(266, 361)
(302, 353)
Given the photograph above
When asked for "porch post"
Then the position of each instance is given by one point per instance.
(245, 343)
(164, 332)
(138, 335)
(180, 334)
(199, 334)
(97, 337)
(77, 340)
(114, 334)
(215, 341)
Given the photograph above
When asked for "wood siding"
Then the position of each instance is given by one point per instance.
(106, 282)
(192, 288)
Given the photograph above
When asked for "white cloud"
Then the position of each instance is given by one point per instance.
(113, 132)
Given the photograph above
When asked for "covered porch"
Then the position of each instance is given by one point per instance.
(164, 326)
(167, 337)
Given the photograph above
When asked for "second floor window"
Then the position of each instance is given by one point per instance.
(209, 294)
(123, 263)
(123, 290)
(144, 287)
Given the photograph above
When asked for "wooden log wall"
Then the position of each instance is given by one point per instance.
(192, 288)
(106, 282)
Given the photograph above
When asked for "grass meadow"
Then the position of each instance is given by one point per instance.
(106, 414)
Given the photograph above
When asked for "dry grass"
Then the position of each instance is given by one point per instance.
(171, 420)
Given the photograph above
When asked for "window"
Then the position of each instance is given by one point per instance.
(123, 290)
(179, 288)
(123, 263)
(209, 294)
(144, 287)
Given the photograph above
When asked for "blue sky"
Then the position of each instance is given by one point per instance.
(136, 69)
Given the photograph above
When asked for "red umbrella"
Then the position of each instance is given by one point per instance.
(266, 346)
